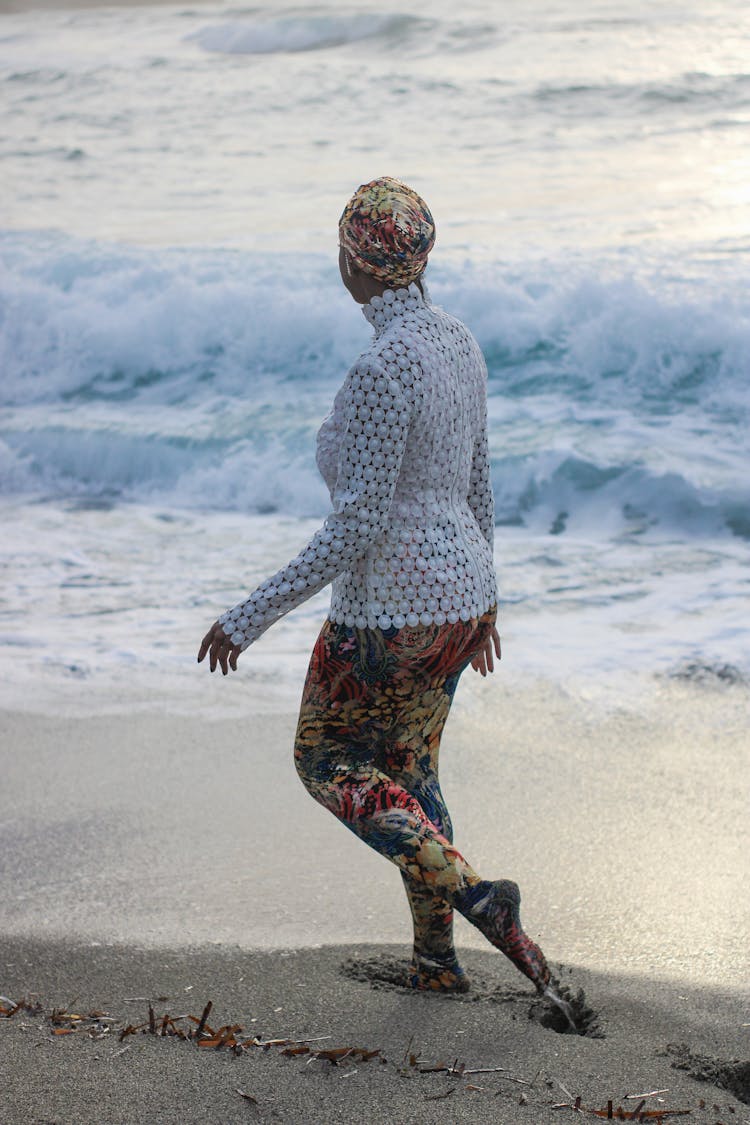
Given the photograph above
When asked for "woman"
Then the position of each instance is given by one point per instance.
(408, 546)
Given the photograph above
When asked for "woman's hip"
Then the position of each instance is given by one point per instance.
(352, 663)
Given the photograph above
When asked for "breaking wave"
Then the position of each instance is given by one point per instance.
(254, 36)
(198, 379)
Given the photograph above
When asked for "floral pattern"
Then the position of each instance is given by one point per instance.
(373, 710)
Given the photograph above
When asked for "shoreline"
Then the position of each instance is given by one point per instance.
(340, 997)
(626, 830)
(137, 848)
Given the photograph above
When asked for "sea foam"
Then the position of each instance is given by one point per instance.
(260, 36)
(199, 378)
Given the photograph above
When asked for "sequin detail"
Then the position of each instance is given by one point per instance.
(404, 453)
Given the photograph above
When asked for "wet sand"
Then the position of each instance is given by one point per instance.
(149, 854)
(625, 827)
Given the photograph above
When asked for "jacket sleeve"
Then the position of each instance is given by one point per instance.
(377, 409)
(481, 500)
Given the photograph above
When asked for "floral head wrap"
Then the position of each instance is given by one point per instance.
(387, 230)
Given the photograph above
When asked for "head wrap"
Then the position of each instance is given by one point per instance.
(387, 230)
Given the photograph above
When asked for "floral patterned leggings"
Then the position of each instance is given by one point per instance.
(373, 710)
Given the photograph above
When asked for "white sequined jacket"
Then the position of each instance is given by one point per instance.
(404, 454)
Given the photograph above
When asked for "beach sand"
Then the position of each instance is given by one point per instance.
(647, 1027)
(147, 854)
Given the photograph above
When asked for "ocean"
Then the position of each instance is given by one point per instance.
(173, 327)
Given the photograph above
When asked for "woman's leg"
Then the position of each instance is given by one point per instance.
(410, 758)
(364, 688)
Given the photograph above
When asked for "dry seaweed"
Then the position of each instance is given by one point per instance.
(10, 1008)
(248, 1097)
(232, 1037)
(438, 1097)
(610, 1113)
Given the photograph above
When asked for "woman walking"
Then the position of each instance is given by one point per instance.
(408, 546)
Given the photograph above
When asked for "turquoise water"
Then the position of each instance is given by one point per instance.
(172, 326)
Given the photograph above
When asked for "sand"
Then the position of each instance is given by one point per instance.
(626, 826)
(646, 1026)
(145, 853)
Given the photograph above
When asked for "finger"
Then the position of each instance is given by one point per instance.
(214, 654)
(233, 658)
(224, 654)
(204, 646)
(496, 642)
(488, 657)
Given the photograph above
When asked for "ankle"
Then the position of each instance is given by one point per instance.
(437, 974)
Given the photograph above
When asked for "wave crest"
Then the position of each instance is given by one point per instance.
(199, 378)
(302, 33)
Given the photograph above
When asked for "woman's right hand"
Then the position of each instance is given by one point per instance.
(482, 661)
(222, 650)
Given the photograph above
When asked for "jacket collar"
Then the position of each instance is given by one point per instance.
(381, 311)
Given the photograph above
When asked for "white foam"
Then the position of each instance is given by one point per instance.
(106, 608)
(199, 378)
(254, 36)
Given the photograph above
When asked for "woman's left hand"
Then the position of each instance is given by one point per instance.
(222, 650)
(483, 661)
